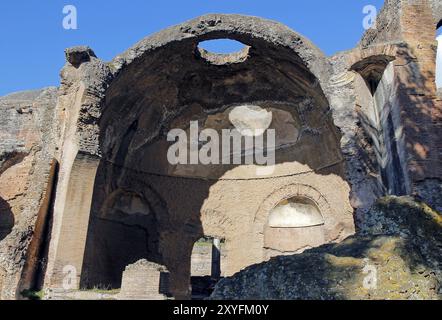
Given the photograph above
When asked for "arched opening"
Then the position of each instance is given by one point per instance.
(145, 206)
(295, 212)
(206, 266)
(222, 51)
(372, 70)
(294, 225)
(379, 123)
(222, 46)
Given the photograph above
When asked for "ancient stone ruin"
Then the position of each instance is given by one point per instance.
(144, 280)
(88, 198)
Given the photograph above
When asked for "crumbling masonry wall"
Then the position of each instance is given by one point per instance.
(142, 207)
(27, 173)
(416, 98)
(84, 182)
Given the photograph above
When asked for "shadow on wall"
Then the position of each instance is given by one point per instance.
(6, 219)
(411, 114)
(363, 267)
(378, 122)
(417, 99)
(143, 207)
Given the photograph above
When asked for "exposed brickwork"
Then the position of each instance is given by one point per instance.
(144, 280)
(352, 128)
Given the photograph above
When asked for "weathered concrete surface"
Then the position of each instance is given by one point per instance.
(144, 280)
(391, 131)
(144, 207)
(396, 255)
(349, 129)
(82, 85)
(27, 136)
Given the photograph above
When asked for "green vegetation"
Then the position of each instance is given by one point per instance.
(32, 294)
(103, 291)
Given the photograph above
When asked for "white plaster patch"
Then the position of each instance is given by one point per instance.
(250, 120)
(290, 214)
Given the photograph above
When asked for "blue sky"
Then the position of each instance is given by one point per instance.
(33, 38)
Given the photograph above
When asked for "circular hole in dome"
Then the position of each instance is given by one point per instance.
(295, 212)
(222, 46)
(223, 51)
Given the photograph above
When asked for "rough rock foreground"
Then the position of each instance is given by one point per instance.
(397, 254)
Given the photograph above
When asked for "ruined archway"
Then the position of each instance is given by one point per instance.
(6, 219)
(144, 207)
(300, 216)
(206, 266)
(379, 120)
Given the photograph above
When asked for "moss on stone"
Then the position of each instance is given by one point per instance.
(395, 256)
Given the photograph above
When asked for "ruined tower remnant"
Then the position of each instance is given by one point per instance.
(86, 188)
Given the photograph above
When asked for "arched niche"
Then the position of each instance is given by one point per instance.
(164, 82)
(295, 212)
(379, 120)
(298, 218)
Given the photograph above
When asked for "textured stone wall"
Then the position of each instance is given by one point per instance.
(437, 12)
(201, 259)
(27, 146)
(352, 128)
(142, 207)
(374, 148)
(401, 151)
(83, 82)
(144, 280)
(422, 110)
(395, 256)
(388, 25)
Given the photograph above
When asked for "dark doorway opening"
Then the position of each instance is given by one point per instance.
(206, 266)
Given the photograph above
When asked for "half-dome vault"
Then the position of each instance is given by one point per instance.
(136, 204)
